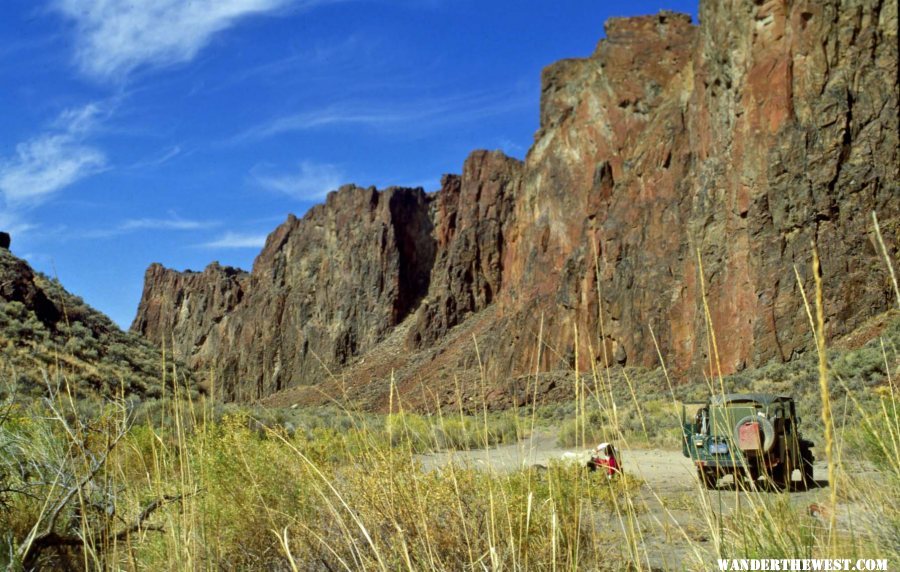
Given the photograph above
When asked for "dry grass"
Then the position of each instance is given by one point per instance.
(350, 495)
(196, 486)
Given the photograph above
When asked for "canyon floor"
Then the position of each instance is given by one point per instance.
(675, 515)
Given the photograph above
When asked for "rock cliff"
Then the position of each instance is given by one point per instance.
(740, 145)
(473, 218)
(325, 288)
(771, 127)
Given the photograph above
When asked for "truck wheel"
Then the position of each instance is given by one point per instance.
(708, 478)
(806, 468)
(780, 477)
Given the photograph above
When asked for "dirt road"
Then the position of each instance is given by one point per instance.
(662, 470)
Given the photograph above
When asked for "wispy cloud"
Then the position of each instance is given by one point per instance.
(114, 37)
(44, 165)
(310, 183)
(84, 119)
(160, 158)
(173, 222)
(510, 147)
(13, 224)
(52, 160)
(333, 60)
(407, 116)
(166, 224)
(236, 240)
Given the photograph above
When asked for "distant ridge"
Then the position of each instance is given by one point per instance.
(45, 330)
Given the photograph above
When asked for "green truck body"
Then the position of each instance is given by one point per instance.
(747, 435)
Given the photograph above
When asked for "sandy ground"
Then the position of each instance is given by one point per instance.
(673, 519)
(662, 470)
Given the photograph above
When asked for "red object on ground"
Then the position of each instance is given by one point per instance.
(609, 463)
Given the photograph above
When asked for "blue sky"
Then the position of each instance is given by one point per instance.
(183, 131)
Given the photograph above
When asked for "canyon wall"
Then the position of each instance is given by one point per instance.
(324, 289)
(740, 145)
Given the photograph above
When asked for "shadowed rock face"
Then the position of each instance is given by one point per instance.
(742, 144)
(473, 217)
(325, 288)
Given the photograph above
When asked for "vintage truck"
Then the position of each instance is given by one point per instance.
(748, 436)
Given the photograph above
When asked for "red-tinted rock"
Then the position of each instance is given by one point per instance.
(741, 143)
(324, 288)
(746, 140)
(472, 219)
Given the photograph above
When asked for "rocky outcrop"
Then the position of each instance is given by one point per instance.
(743, 143)
(180, 308)
(675, 164)
(473, 218)
(5, 240)
(604, 185)
(18, 283)
(48, 334)
(324, 289)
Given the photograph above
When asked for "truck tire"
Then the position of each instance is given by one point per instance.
(707, 478)
(780, 476)
(806, 467)
(764, 424)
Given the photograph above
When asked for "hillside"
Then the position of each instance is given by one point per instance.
(46, 330)
(741, 143)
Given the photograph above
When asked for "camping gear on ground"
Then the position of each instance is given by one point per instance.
(605, 458)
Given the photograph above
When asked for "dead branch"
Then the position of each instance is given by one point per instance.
(53, 539)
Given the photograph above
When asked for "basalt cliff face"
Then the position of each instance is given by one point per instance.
(325, 288)
(740, 145)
